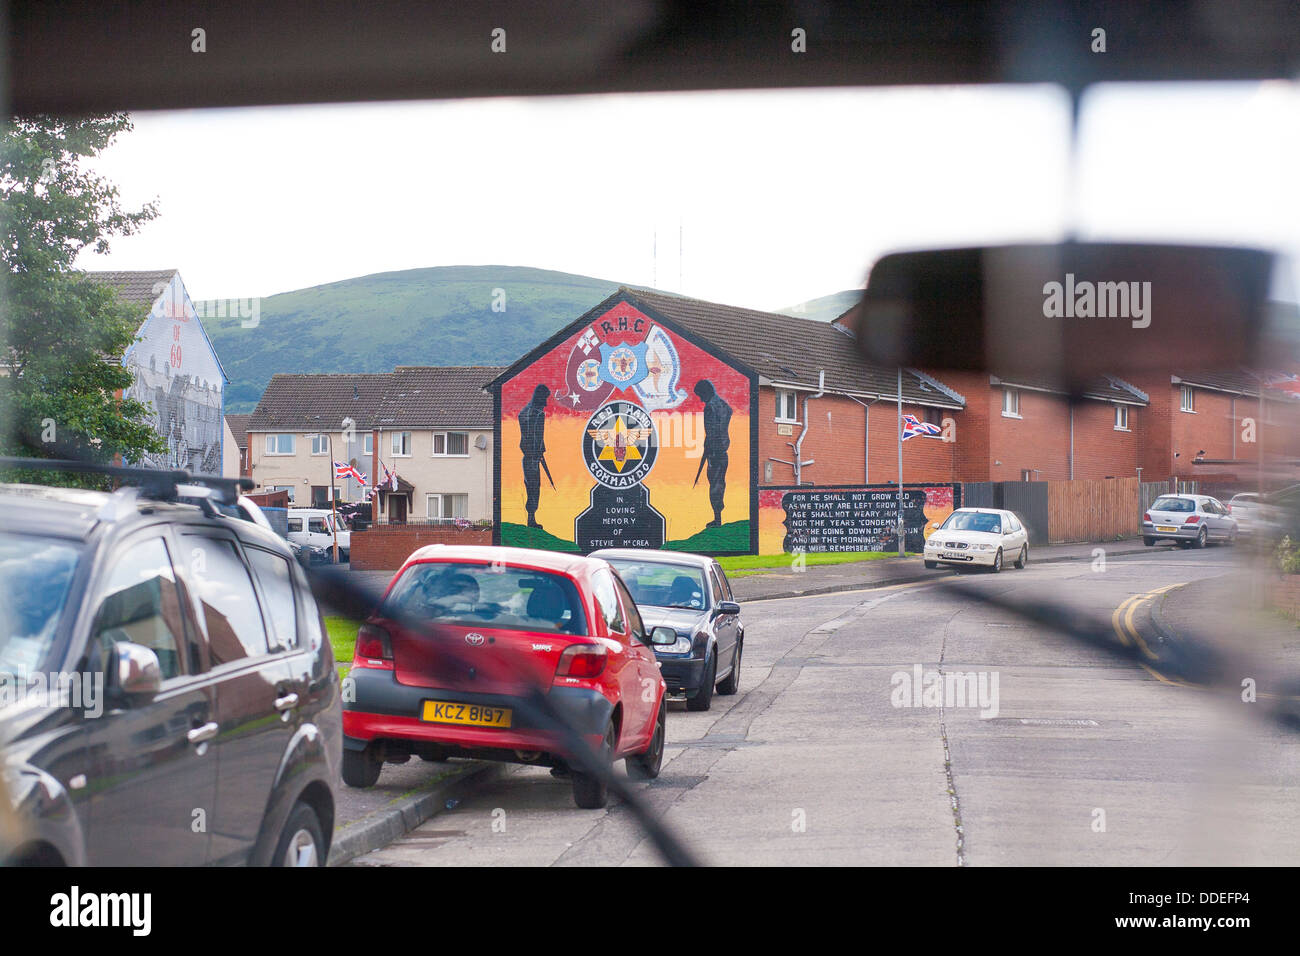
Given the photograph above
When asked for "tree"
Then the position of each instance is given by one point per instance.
(62, 334)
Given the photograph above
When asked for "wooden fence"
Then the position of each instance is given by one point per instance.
(1100, 510)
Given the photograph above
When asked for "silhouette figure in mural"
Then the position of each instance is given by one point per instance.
(717, 439)
(532, 442)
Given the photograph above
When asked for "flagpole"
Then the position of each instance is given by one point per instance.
(334, 511)
(900, 461)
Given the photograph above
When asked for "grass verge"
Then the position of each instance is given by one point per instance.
(342, 633)
(742, 565)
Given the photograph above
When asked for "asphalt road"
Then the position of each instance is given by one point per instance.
(1085, 759)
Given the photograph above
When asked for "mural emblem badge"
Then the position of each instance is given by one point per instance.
(624, 365)
(589, 375)
(620, 444)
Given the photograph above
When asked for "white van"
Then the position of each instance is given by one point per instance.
(314, 527)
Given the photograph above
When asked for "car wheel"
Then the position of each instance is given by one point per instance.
(732, 683)
(703, 698)
(646, 766)
(997, 562)
(301, 841)
(590, 792)
(1202, 538)
(1024, 556)
(1149, 542)
(361, 767)
(931, 565)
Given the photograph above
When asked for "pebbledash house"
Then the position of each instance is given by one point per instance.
(175, 371)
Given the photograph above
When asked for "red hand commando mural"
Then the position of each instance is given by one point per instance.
(626, 432)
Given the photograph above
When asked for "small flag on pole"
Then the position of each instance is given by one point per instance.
(914, 427)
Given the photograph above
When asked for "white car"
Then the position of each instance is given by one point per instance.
(1253, 514)
(988, 537)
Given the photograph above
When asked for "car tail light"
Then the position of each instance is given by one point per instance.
(1146, 516)
(1192, 519)
(581, 660)
(374, 648)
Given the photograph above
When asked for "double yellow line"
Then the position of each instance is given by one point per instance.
(1122, 622)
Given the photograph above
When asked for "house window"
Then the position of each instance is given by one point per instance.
(1121, 418)
(787, 406)
(320, 495)
(1010, 403)
(279, 444)
(934, 416)
(402, 444)
(288, 488)
(369, 444)
(320, 444)
(447, 507)
(450, 444)
(1188, 401)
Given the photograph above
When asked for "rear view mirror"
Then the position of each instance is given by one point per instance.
(1072, 311)
(727, 607)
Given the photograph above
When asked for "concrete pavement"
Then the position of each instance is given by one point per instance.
(830, 578)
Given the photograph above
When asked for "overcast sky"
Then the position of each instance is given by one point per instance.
(780, 196)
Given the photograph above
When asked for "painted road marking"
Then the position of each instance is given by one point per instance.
(1126, 630)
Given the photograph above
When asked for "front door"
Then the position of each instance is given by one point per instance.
(397, 509)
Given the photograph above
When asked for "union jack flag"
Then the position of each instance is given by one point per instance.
(914, 427)
(343, 469)
(390, 479)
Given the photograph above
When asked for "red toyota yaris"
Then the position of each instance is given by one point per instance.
(480, 630)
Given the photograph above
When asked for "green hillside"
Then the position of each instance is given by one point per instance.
(436, 316)
(825, 308)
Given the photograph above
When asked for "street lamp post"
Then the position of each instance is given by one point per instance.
(899, 430)
(329, 487)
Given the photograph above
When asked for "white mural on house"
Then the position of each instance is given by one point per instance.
(176, 373)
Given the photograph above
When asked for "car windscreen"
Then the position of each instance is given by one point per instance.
(1174, 504)
(972, 521)
(664, 585)
(485, 595)
(35, 576)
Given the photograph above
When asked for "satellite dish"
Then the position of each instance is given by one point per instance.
(481, 442)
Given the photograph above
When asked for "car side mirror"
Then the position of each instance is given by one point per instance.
(727, 607)
(663, 636)
(137, 671)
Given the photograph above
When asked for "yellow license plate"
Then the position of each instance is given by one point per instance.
(1165, 527)
(475, 715)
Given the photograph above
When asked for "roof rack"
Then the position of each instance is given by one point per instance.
(153, 482)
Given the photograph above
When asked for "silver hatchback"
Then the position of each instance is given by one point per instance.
(1191, 520)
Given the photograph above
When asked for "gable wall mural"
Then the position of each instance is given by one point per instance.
(625, 431)
(177, 375)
